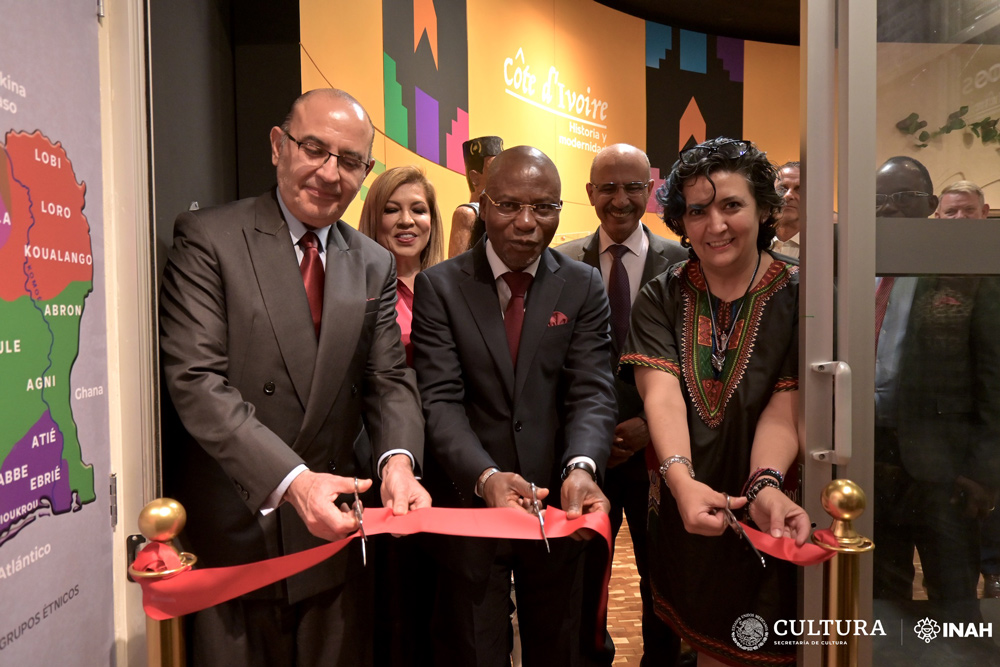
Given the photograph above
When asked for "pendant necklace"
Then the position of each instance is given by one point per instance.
(720, 339)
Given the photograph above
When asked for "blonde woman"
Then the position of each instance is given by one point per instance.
(401, 213)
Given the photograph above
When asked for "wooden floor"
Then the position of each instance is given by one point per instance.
(624, 604)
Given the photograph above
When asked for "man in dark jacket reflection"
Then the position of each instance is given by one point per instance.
(937, 398)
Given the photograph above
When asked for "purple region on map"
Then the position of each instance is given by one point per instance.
(5, 223)
(33, 470)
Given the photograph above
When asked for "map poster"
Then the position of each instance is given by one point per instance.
(56, 537)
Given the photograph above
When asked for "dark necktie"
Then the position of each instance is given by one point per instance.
(513, 317)
(312, 276)
(619, 295)
(882, 304)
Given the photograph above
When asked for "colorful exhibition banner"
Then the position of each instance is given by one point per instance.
(565, 76)
(55, 529)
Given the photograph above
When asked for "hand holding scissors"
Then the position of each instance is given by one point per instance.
(536, 509)
(733, 523)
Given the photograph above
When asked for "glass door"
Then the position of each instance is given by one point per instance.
(903, 98)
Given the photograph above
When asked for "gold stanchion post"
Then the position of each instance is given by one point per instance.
(844, 501)
(161, 521)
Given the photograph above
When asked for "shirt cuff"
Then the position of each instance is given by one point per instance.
(584, 459)
(392, 452)
(274, 499)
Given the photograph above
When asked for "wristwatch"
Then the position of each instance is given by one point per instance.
(579, 465)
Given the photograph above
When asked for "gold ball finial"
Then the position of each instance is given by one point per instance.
(843, 500)
(162, 520)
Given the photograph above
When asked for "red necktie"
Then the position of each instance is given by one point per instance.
(312, 276)
(513, 317)
(619, 295)
(882, 304)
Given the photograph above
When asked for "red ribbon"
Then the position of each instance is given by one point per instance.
(194, 590)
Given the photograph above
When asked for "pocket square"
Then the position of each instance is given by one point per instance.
(371, 298)
(557, 319)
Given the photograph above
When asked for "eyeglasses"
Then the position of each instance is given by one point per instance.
(729, 149)
(508, 209)
(903, 200)
(611, 189)
(316, 156)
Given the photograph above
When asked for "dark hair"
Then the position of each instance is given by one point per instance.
(754, 166)
(791, 164)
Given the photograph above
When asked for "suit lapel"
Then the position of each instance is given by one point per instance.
(479, 289)
(543, 295)
(280, 283)
(591, 251)
(656, 263)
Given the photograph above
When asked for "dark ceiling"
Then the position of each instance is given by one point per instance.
(775, 21)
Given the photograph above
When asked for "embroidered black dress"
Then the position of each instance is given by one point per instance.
(703, 585)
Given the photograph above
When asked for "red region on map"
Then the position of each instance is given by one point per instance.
(49, 242)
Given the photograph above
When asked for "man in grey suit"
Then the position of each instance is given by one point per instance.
(279, 344)
(628, 256)
(512, 354)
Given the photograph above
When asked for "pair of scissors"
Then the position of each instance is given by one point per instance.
(536, 509)
(732, 522)
(359, 514)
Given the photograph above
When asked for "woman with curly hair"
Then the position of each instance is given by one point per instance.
(714, 351)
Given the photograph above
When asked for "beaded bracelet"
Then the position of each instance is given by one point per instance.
(761, 472)
(759, 485)
(672, 460)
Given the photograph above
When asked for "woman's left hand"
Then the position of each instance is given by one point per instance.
(775, 513)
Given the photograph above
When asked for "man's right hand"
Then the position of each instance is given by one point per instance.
(508, 489)
(314, 495)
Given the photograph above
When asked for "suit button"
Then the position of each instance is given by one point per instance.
(354, 390)
(517, 427)
(332, 466)
(243, 492)
(268, 388)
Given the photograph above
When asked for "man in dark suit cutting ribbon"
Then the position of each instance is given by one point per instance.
(279, 343)
(512, 352)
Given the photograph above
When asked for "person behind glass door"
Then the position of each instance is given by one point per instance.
(619, 188)
(962, 199)
(401, 213)
(714, 350)
(791, 220)
(937, 408)
(965, 200)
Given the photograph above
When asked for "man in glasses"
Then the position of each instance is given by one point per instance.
(512, 353)
(937, 411)
(628, 256)
(278, 341)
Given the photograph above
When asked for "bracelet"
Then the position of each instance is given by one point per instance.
(759, 485)
(672, 460)
(761, 472)
(481, 482)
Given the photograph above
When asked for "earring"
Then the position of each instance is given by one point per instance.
(685, 242)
